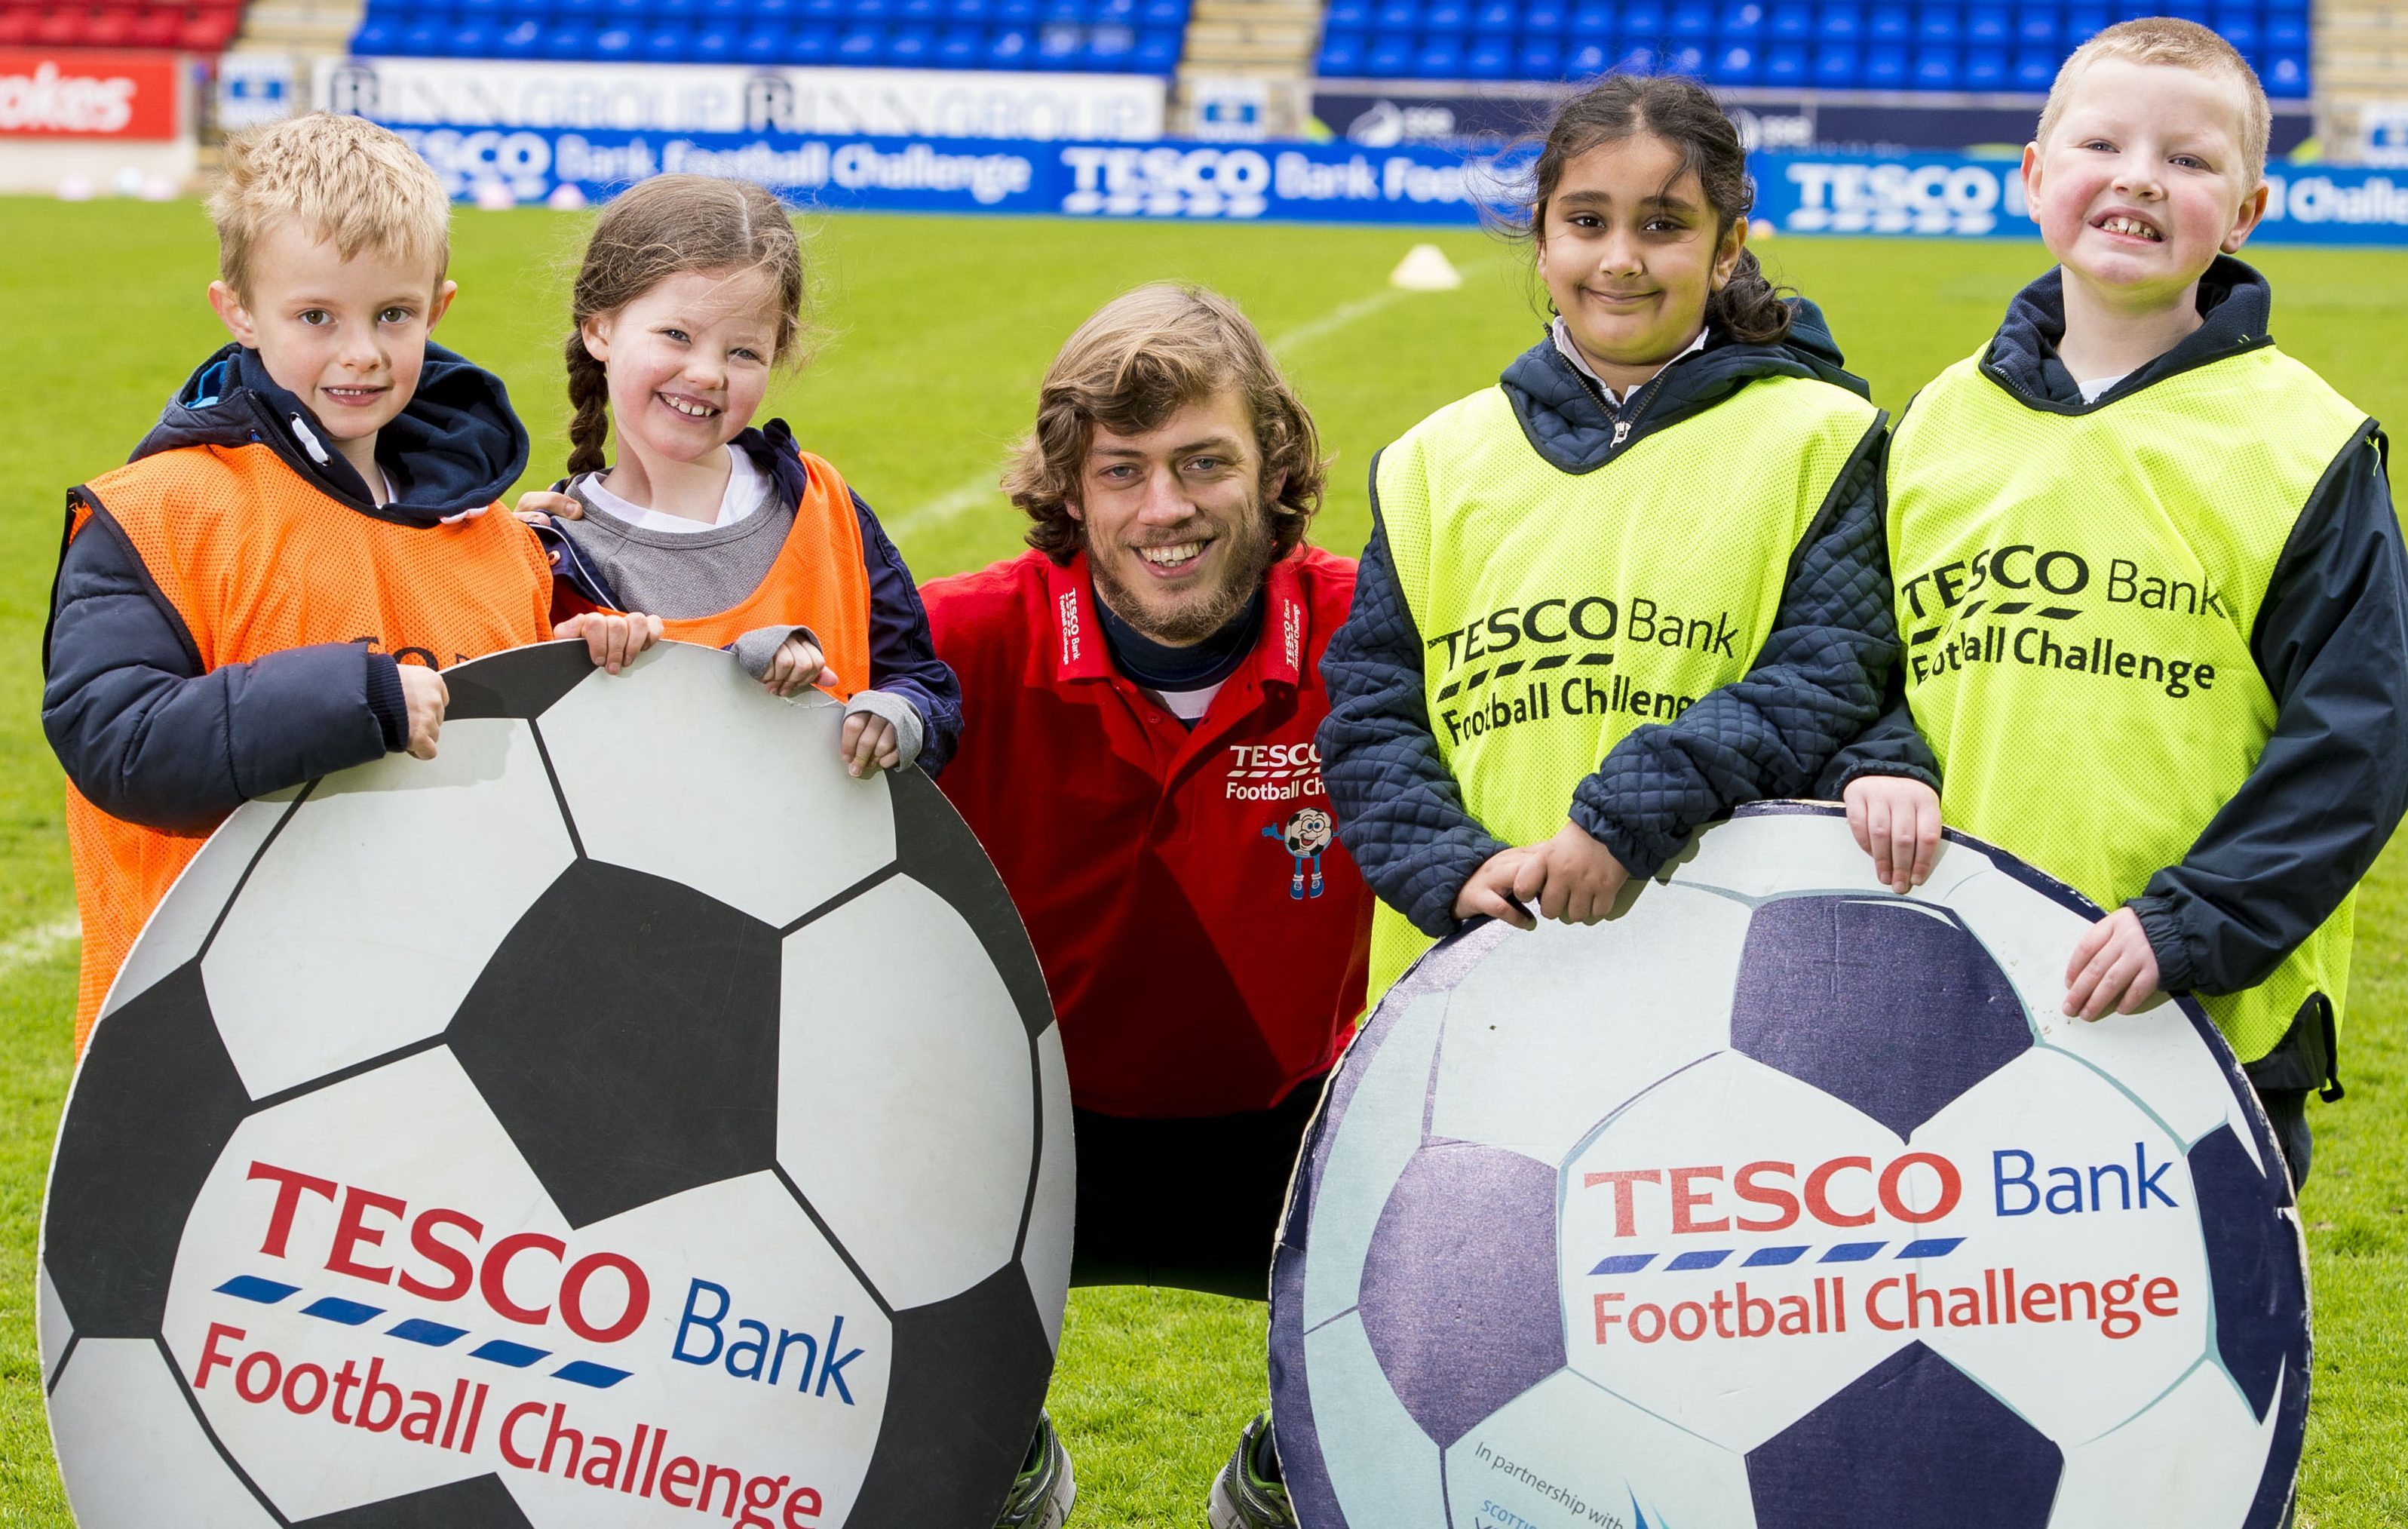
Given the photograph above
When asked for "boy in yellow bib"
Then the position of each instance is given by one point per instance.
(2150, 585)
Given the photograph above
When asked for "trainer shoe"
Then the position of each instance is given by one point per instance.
(1249, 1494)
(1043, 1493)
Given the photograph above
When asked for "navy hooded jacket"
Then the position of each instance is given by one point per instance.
(2331, 641)
(1818, 681)
(143, 732)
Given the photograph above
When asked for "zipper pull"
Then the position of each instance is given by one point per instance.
(1621, 433)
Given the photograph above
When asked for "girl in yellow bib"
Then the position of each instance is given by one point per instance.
(690, 293)
(1639, 580)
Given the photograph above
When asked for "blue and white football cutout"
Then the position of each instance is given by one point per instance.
(622, 1118)
(1780, 1201)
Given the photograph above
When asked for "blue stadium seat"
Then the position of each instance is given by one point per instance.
(1890, 23)
(1342, 55)
(1008, 47)
(1938, 24)
(2238, 26)
(2082, 23)
(713, 45)
(1016, 13)
(822, 10)
(2285, 75)
(1063, 48)
(1936, 69)
(1686, 58)
(1990, 26)
(1642, 19)
(1638, 58)
(911, 46)
(861, 46)
(680, 11)
(1538, 16)
(1742, 20)
(521, 39)
(477, 10)
(1490, 57)
(1117, 12)
(1734, 63)
(376, 38)
(421, 40)
(2283, 33)
(1440, 57)
(1586, 58)
(1792, 20)
(1157, 52)
(2037, 25)
(1840, 20)
(1885, 67)
(2035, 70)
(614, 44)
(915, 11)
(960, 47)
(2188, 10)
(730, 10)
(763, 45)
(1835, 66)
(1540, 57)
(1065, 12)
(812, 42)
(1390, 56)
(473, 40)
(1347, 16)
(970, 13)
(1691, 20)
(1163, 13)
(1446, 16)
(1985, 69)
(663, 45)
(1396, 16)
(1492, 17)
(1109, 47)
(568, 40)
(1785, 65)
(1592, 18)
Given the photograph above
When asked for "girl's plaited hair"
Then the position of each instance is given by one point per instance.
(661, 228)
(1685, 115)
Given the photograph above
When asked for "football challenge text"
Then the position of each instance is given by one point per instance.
(2024, 624)
(448, 1259)
(2119, 1304)
(1555, 634)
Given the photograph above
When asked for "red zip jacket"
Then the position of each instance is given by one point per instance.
(1200, 965)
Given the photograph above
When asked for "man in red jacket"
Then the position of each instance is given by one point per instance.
(1139, 694)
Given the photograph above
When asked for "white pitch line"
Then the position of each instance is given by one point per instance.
(972, 493)
(36, 946)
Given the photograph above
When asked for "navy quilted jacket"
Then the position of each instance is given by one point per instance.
(1817, 682)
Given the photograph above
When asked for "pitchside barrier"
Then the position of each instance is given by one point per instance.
(1947, 195)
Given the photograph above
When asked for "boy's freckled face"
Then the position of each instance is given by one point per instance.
(347, 338)
(689, 360)
(2142, 181)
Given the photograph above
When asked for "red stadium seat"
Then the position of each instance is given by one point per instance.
(156, 29)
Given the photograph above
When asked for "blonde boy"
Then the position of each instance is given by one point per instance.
(265, 591)
(2151, 585)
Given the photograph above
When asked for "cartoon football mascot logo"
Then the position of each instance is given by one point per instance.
(1306, 834)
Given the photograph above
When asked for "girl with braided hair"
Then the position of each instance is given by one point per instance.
(690, 293)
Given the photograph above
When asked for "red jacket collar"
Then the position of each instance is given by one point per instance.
(1080, 653)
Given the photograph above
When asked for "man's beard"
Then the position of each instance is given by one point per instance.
(1194, 619)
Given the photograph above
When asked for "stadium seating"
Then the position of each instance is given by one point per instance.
(199, 26)
(1941, 45)
(1109, 37)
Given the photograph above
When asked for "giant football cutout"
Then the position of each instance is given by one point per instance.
(626, 1119)
(1781, 1201)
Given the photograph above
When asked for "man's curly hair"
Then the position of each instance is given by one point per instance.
(1141, 359)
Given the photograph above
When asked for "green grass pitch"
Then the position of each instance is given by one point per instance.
(931, 336)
